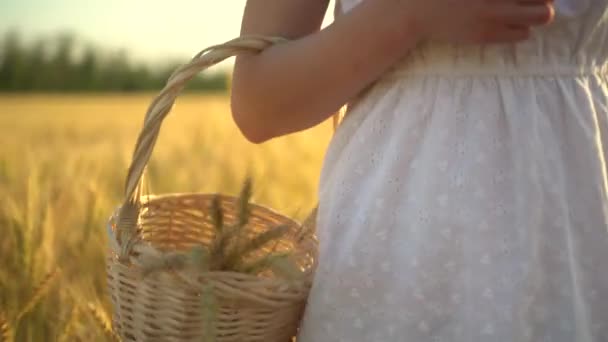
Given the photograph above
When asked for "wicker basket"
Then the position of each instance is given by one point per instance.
(170, 305)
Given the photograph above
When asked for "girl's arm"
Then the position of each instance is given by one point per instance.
(299, 84)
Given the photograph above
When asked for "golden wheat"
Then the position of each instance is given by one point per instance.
(62, 165)
(69, 327)
(231, 246)
(39, 292)
(100, 317)
(6, 330)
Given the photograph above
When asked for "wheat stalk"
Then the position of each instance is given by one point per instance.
(209, 307)
(6, 330)
(39, 292)
(219, 244)
(228, 236)
(262, 263)
(200, 258)
(68, 328)
(243, 214)
(279, 263)
(217, 215)
(169, 261)
(273, 234)
(103, 321)
(236, 258)
(228, 252)
(309, 224)
(243, 204)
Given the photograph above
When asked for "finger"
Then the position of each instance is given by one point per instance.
(524, 15)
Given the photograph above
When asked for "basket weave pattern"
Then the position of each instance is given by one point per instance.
(172, 304)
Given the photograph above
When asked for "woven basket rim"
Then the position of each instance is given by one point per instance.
(145, 248)
(148, 199)
(236, 277)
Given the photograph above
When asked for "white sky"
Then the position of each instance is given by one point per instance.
(151, 30)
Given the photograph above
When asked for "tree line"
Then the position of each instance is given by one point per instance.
(62, 63)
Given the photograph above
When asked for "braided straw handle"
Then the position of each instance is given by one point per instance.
(162, 104)
(126, 224)
(159, 109)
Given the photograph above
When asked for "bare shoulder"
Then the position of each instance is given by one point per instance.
(287, 18)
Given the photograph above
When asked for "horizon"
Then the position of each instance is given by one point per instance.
(165, 33)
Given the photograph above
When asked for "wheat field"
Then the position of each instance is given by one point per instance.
(63, 160)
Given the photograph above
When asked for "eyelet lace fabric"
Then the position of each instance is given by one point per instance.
(465, 195)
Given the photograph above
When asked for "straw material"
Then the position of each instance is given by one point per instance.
(178, 302)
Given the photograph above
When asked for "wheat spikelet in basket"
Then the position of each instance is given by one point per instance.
(184, 267)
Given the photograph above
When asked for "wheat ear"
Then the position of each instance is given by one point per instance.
(103, 321)
(6, 329)
(39, 292)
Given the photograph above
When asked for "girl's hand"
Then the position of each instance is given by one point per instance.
(477, 21)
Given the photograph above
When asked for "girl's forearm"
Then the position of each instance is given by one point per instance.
(297, 85)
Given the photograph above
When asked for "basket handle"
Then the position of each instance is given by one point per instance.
(159, 108)
(162, 104)
(126, 225)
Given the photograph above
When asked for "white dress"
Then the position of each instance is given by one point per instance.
(465, 196)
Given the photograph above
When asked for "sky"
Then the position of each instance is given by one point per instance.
(149, 30)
